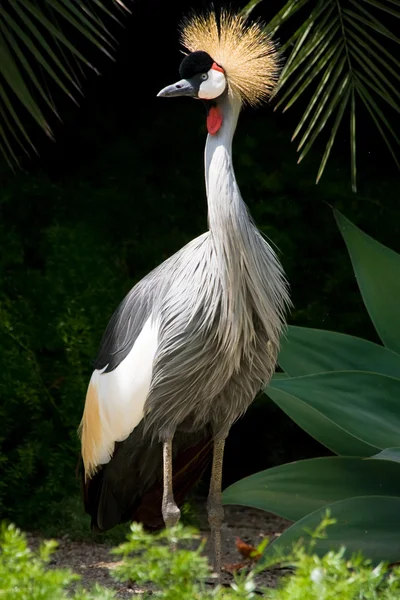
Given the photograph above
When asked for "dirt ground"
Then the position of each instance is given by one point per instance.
(94, 563)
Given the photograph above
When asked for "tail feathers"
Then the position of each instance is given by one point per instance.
(188, 469)
(116, 494)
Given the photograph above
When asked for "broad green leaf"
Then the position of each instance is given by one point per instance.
(306, 351)
(319, 426)
(366, 405)
(296, 489)
(389, 454)
(280, 376)
(368, 524)
(377, 270)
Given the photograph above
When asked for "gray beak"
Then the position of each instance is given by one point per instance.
(181, 88)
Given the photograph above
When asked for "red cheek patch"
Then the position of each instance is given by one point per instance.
(217, 68)
(214, 120)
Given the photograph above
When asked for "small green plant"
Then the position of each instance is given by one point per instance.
(183, 573)
(24, 574)
(344, 391)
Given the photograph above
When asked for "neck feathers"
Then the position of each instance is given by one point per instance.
(228, 217)
(253, 283)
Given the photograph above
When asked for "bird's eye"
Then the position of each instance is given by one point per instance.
(204, 76)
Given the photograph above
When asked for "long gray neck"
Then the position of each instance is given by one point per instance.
(252, 280)
(227, 212)
(230, 228)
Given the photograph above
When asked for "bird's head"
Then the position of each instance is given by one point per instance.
(226, 57)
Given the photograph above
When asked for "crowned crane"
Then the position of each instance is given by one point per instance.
(186, 352)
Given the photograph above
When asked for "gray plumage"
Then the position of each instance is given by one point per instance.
(220, 304)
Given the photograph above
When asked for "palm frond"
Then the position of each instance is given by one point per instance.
(36, 53)
(340, 55)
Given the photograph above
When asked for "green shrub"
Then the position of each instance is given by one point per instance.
(184, 574)
(24, 574)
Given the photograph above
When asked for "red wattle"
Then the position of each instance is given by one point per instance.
(214, 120)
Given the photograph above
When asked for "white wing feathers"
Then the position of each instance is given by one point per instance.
(115, 400)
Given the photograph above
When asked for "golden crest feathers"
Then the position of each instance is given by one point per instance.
(244, 50)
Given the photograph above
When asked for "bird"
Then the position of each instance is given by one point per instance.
(190, 346)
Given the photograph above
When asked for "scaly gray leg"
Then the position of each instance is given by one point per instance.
(214, 502)
(170, 511)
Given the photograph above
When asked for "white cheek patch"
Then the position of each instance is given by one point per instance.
(212, 87)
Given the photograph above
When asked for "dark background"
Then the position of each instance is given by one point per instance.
(119, 191)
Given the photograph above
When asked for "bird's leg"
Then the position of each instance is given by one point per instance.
(170, 511)
(214, 502)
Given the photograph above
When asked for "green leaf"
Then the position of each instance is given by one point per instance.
(308, 44)
(368, 524)
(389, 454)
(13, 78)
(370, 67)
(250, 6)
(85, 28)
(315, 97)
(364, 404)
(370, 40)
(353, 165)
(14, 116)
(280, 376)
(38, 57)
(379, 88)
(327, 53)
(284, 14)
(378, 117)
(332, 24)
(33, 43)
(338, 100)
(319, 426)
(370, 21)
(294, 490)
(381, 6)
(377, 270)
(376, 55)
(314, 128)
(339, 116)
(306, 351)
